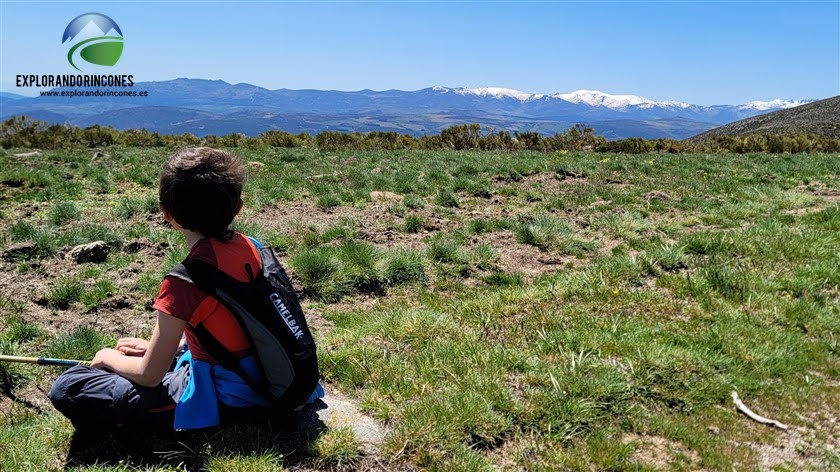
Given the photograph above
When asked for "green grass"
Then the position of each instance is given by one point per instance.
(21, 331)
(102, 289)
(551, 234)
(64, 212)
(403, 267)
(413, 201)
(126, 207)
(413, 224)
(80, 343)
(66, 291)
(636, 318)
(337, 446)
(446, 198)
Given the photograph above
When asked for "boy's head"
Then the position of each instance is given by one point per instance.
(201, 189)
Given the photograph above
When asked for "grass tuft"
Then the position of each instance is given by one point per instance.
(64, 212)
(551, 234)
(447, 198)
(336, 447)
(82, 343)
(414, 224)
(404, 267)
(66, 291)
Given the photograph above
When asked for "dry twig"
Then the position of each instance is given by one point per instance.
(743, 409)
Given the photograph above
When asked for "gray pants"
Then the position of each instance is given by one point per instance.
(95, 399)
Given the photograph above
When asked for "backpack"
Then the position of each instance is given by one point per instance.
(270, 315)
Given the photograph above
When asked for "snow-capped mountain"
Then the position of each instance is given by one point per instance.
(773, 104)
(596, 98)
(616, 102)
(216, 107)
(496, 92)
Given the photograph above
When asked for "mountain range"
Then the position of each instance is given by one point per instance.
(205, 107)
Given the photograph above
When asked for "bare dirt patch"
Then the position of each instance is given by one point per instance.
(660, 453)
(803, 446)
(515, 257)
(830, 195)
(122, 313)
(550, 182)
(374, 217)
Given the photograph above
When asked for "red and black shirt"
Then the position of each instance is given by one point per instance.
(187, 302)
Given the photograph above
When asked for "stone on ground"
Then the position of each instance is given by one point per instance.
(337, 411)
(96, 251)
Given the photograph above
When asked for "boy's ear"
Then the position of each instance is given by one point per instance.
(166, 215)
(238, 207)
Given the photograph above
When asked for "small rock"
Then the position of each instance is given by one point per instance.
(337, 411)
(657, 195)
(96, 252)
(714, 430)
(17, 251)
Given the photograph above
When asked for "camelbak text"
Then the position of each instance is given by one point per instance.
(287, 317)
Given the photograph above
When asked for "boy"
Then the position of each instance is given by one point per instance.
(130, 385)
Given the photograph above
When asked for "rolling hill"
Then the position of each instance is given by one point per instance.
(820, 118)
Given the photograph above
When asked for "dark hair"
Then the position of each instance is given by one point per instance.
(201, 188)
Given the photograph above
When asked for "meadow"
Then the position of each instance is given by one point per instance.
(507, 310)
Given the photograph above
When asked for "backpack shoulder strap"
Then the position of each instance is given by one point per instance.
(210, 279)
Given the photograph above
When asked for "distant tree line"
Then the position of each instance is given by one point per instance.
(24, 132)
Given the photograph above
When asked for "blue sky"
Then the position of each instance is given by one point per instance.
(722, 52)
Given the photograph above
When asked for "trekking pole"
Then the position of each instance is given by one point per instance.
(43, 360)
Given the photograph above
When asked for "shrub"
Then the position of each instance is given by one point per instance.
(277, 138)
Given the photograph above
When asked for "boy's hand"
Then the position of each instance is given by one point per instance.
(132, 346)
(100, 360)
